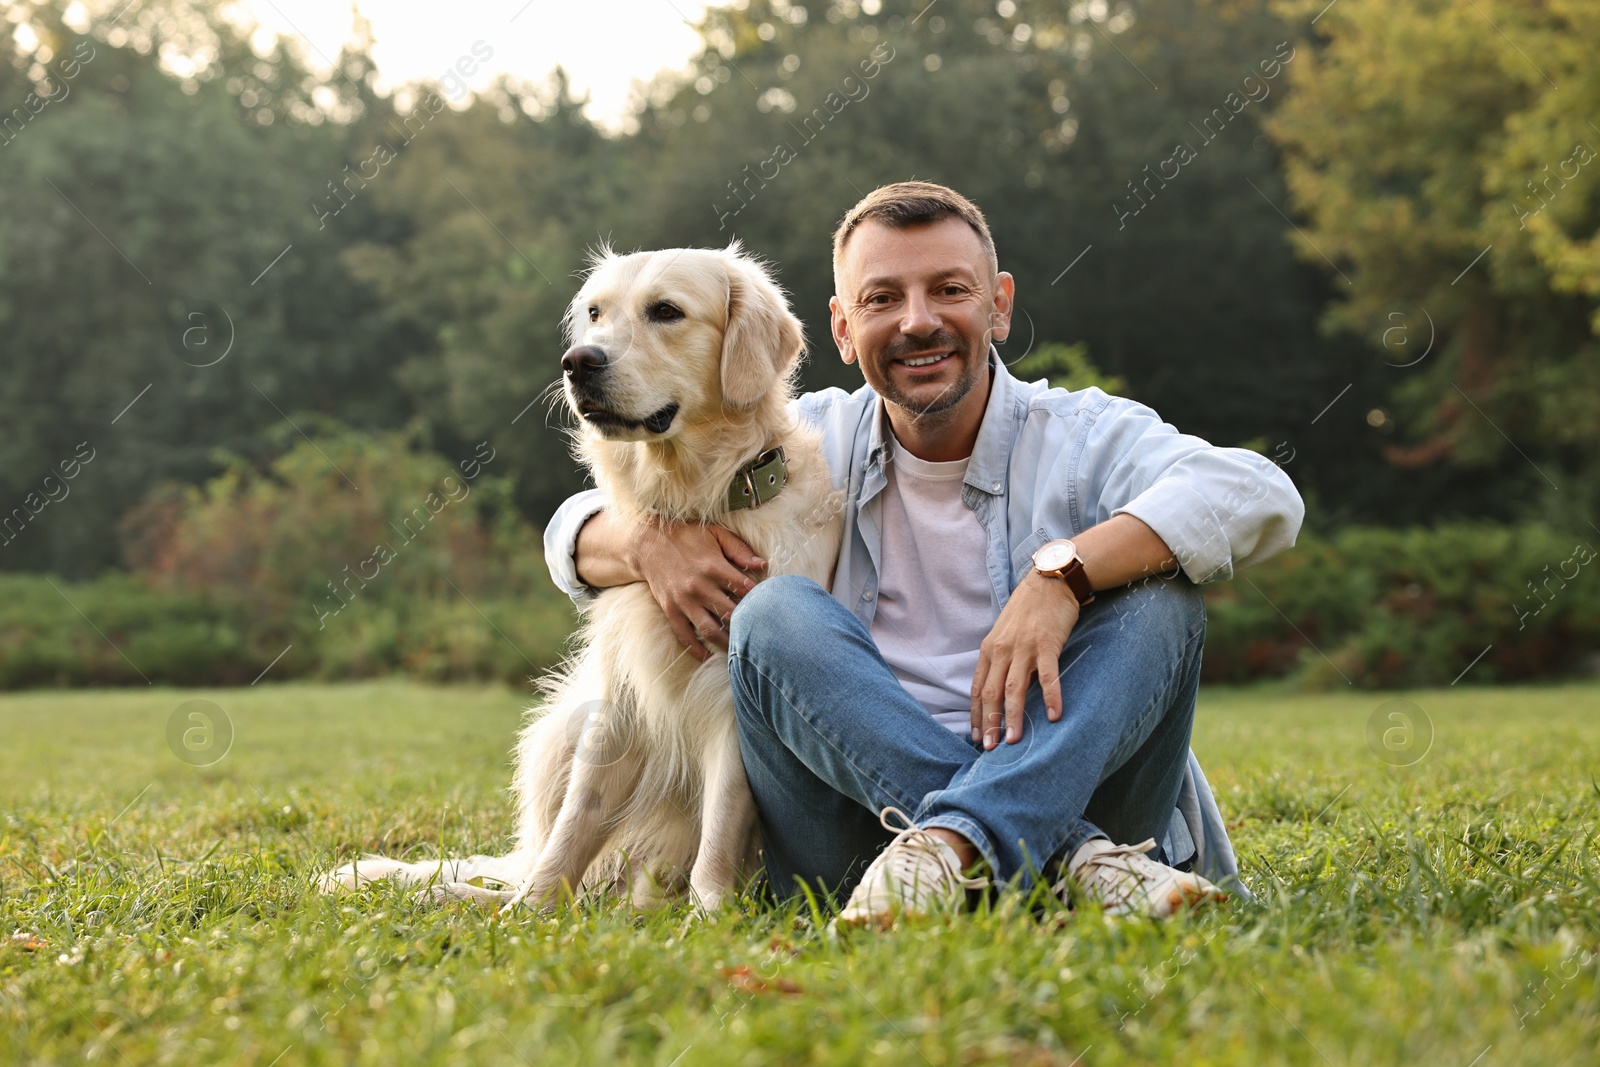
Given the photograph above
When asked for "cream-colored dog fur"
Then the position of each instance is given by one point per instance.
(628, 773)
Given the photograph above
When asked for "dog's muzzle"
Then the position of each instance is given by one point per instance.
(584, 367)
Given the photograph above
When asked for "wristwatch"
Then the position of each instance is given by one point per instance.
(1059, 559)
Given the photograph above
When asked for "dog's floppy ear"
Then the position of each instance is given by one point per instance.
(763, 338)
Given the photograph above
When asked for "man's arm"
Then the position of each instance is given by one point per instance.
(560, 538)
(1218, 509)
(1153, 498)
(1026, 640)
(697, 573)
(1121, 550)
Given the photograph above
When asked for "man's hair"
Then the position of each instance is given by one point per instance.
(914, 204)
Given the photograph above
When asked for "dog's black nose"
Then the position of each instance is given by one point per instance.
(582, 361)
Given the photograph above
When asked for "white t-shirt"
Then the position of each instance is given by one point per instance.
(935, 601)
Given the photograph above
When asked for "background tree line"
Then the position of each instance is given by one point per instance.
(1260, 217)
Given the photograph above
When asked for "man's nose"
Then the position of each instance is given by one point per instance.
(918, 319)
(582, 362)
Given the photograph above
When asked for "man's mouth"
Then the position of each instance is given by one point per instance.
(925, 361)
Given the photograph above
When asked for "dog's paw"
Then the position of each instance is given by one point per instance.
(452, 892)
(363, 872)
(710, 903)
(342, 880)
(711, 887)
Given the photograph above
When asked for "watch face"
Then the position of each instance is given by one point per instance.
(1055, 555)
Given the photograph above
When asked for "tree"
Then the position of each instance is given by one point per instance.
(500, 199)
(165, 289)
(1046, 117)
(378, 258)
(1448, 179)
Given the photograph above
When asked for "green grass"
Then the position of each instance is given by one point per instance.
(1441, 913)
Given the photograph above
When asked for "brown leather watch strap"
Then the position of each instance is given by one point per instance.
(1078, 581)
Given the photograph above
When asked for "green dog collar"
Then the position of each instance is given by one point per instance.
(758, 481)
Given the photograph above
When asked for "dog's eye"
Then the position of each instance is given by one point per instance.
(594, 314)
(661, 311)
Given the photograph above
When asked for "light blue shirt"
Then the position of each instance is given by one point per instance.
(1048, 463)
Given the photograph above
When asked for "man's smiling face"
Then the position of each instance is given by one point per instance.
(917, 306)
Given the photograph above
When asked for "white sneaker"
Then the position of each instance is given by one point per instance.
(1125, 881)
(915, 874)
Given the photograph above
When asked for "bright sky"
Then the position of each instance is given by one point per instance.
(605, 45)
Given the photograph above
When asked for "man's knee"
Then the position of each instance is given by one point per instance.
(773, 615)
(772, 630)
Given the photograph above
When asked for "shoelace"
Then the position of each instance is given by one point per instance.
(902, 864)
(1130, 860)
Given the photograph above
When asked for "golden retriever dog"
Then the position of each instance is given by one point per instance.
(628, 774)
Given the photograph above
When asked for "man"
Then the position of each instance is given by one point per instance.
(993, 531)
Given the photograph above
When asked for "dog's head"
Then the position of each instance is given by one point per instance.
(660, 339)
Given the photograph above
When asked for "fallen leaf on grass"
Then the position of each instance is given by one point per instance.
(745, 980)
(28, 942)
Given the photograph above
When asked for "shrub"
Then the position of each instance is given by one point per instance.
(369, 554)
(265, 559)
(1067, 367)
(127, 634)
(1397, 608)
(361, 555)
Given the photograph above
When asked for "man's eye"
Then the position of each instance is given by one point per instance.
(594, 314)
(661, 311)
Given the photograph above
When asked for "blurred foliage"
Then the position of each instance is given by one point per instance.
(340, 517)
(348, 555)
(186, 171)
(1429, 137)
(164, 636)
(135, 200)
(1067, 367)
(1396, 609)
(177, 638)
(179, 295)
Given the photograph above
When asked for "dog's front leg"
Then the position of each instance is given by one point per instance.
(727, 823)
(595, 796)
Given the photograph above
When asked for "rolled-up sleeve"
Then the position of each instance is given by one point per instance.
(561, 543)
(1218, 509)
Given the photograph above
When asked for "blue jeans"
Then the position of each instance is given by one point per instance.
(829, 737)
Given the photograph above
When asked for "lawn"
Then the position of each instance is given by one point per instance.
(1426, 886)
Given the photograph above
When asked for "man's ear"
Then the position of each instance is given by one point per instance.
(1005, 304)
(763, 339)
(841, 330)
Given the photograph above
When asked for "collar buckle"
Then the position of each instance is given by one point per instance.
(758, 481)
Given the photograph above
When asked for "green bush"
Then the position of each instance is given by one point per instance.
(260, 568)
(130, 633)
(114, 631)
(1396, 608)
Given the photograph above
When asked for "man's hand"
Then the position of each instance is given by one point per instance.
(1027, 639)
(1024, 644)
(697, 574)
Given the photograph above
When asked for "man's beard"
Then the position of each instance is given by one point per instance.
(951, 395)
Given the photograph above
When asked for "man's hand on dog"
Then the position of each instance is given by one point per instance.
(697, 575)
(1024, 644)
